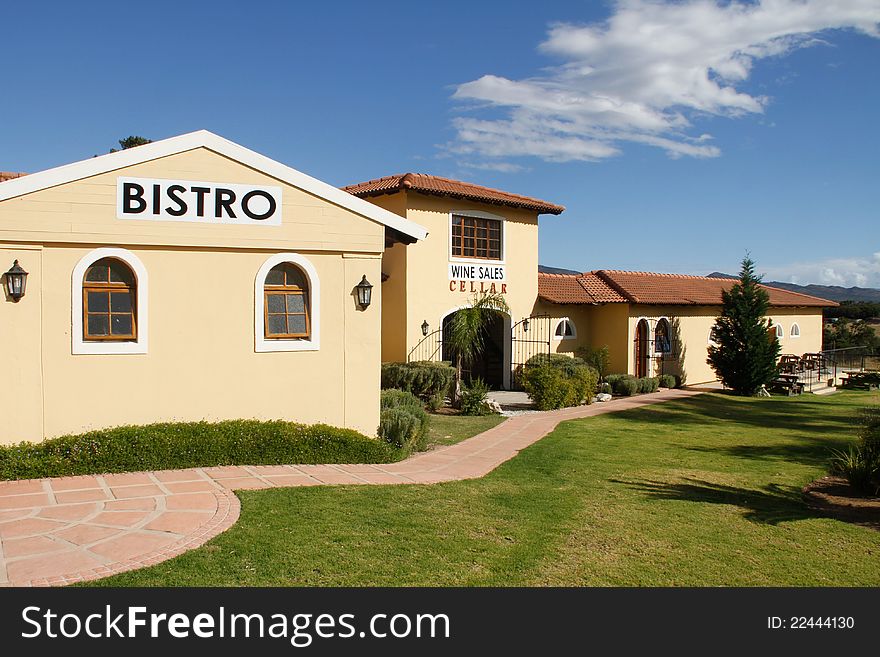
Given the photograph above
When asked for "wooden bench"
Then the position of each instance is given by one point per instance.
(860, 380)
(789, 384)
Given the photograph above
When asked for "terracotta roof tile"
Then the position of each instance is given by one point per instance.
(427, 184)
(614, 286)
(10, 175)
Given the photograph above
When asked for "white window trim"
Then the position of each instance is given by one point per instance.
(479, 214)
(139, 346)
(262, 344)
(780, 332)
(792, 333)
(574, 331)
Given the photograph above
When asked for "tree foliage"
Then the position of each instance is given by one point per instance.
(746, 350)
(845, 334)
(131, 141)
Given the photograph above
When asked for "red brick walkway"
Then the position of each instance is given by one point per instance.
(70, 529)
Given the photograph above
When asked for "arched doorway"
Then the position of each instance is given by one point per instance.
(641, 348)
(493, 365)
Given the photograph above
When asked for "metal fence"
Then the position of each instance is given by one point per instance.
(529, 337)
(827, 368)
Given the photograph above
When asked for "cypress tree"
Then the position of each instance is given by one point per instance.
(746, 350)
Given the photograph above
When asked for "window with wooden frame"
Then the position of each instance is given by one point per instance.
(109, 292)
(286, 303)
(475, 237)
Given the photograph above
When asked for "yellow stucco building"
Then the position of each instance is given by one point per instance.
(189, 279)
(192, 278)
(483, 239)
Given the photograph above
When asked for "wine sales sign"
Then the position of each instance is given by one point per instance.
(199, 202)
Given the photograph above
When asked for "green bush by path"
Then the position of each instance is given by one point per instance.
(171, 445)
(666, 381)
(559, 382)
(403, 422)
(473, 398)
(429, 381)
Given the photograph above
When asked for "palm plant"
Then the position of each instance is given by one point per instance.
(465, 335)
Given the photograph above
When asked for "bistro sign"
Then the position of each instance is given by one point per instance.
(200, 202)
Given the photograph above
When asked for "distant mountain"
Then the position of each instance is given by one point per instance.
(832, 292)
(556, 270)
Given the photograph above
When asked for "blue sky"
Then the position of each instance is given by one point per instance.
(678, 136)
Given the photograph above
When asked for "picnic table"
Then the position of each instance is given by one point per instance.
(789, 384)
(860, 380)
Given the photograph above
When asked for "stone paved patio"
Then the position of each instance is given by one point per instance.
(70, 529)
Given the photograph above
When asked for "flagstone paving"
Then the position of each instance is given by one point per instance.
(71, 529)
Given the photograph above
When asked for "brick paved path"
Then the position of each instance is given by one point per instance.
(70, 529)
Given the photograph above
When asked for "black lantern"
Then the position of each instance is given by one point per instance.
(16, 281)
(364, 292)
(525, 324)
(425, 327)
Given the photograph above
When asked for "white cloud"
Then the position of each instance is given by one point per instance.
(644, 75)
(846, 272)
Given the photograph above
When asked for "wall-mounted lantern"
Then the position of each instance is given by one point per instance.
(16, 281)
(425, 328)
(364, 292)
(525, 325)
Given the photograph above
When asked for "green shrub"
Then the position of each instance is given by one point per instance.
(546, 385)
(648, 384)
(666, 381)
(626, 385)
(473, 398)
(557, 384)
(567, 364)
(170, 445)
(612, 378)
(860, 464)
(605, 388)
(403, 422)
(398, 398)
(427, 380)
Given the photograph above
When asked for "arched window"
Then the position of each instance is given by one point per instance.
(795, 331)
(565, 330)
(109, 292)
(780, 332)
(286, 303)
(662, 344)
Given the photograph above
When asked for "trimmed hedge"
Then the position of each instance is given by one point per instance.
(170, 445)
(667, 381)
(403, 422)
(559, 381)
(427, 380)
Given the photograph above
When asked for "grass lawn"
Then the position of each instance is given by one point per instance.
(704, 491)
(451, 429)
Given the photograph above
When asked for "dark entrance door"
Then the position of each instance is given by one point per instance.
(488, 366)
(641, 349)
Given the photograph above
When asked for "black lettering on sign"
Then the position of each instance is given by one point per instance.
(223, 199)
(201, 193)
(157, 199)
(133, 198)
(173, 195)
(246, 199)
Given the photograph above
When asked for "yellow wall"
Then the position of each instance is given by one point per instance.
(201, 361)
(693, 324)
(424, 268)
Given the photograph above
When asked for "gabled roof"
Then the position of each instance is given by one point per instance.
(25, 184)
(614, 286)
(427, 184)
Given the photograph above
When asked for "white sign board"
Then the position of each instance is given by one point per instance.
(487, 273)
(201, 202)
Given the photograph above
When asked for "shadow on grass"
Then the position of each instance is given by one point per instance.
(806, 451)
(795, 414)
(770, 505)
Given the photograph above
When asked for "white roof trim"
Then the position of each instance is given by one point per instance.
(204, 139)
